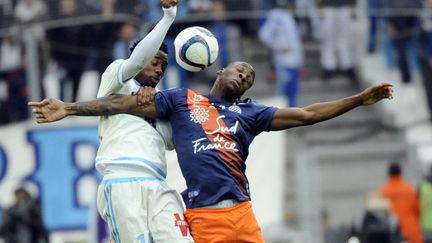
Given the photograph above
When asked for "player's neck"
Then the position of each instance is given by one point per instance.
(218, 94)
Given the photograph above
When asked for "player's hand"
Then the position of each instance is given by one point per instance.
(376, 93)
(48, 110)
(145, 96)
(168, 3)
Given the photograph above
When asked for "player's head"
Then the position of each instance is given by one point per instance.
(21, 195)
(394, 169)
(127, 32)
(155, 69)
(234, 80)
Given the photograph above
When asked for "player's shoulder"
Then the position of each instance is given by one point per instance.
(113, 66)
(248, 101)
(253, 105)
(173, 91)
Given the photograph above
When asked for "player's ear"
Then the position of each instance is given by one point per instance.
(220, 71)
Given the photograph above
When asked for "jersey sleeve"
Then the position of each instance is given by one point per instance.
(263, 116)
(147, 48)
(165, 130)
(166, 102)
(111, 80)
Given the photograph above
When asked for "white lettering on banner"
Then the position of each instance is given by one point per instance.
(223, 129)
(219, 143)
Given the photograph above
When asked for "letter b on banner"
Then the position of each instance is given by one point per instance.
(57, 174)
(3, 163)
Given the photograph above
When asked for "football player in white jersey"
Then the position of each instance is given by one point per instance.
(133, 197)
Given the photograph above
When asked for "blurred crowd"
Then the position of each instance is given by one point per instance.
(27, 11)
(395, 212)
(74, 36)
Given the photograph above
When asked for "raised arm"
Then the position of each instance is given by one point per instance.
(149, 45)
(51, 110)
(285, 118)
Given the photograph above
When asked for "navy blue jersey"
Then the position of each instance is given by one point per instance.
(212, 139)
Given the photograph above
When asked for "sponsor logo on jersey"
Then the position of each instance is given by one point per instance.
(182, 224)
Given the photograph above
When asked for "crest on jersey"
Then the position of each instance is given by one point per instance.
(235, 108)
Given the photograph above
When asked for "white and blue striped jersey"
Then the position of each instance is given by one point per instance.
(130, 143)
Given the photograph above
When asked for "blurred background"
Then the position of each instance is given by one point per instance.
(309, 185)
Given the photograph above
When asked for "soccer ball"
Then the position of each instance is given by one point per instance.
(195, 48)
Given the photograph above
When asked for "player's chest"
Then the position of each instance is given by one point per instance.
(212, 117)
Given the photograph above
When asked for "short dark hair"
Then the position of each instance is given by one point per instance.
(22, 190)
(163, 47)
(394, 169)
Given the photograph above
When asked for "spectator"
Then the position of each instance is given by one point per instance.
(127, 34)
(307, 18)
(88, 7)
(425, 194)
(6, 13)
(425, 56)
(108, 7)
(331, 233)
(68, 48)
(377, 224)
(373, 12)
(68, 8)
(280, 33)
(14, 106)
(402, 26)
(336, 42)
(404, 203)
(225, 32)
(240, 9)
(200, 6)
(72, 8)
(22, 223)
(6, 9)
(28, 10)
(128, 6)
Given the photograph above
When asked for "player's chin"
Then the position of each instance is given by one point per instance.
(233, 87)
(233, 92)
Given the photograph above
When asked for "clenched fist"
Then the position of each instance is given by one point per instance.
(168, 3)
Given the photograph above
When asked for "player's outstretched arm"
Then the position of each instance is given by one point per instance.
(48, 110)
(149, 45)
(51, 110)
(285, 118)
